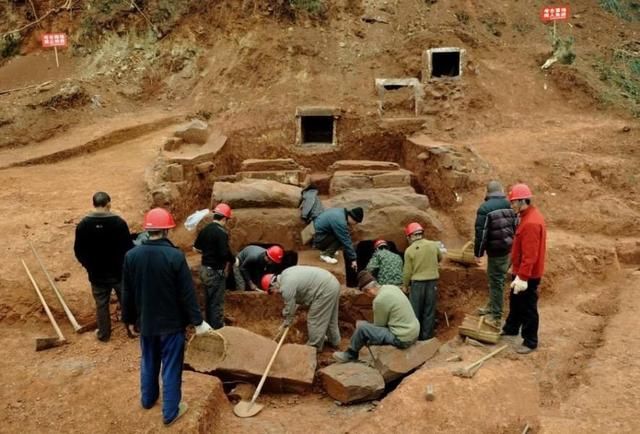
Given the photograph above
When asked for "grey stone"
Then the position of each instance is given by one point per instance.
(352, 382)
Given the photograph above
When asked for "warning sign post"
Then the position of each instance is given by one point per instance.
(55, 40)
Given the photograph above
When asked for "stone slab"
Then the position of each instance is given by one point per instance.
(290, 177)
(266, 225)
(256, 164)
(371, 199)
(247, 356)
(352, 382)
(256, 193)
(363, 165)
(196, 131)
(395, 363)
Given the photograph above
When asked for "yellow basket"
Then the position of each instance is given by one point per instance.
(464, 256)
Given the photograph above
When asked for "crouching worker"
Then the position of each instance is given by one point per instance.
(394, 322)
(158, 299)
(313, 287)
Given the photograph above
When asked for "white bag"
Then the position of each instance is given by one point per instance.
(192, 221)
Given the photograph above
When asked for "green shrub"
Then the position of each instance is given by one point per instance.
(312, 7)
(10, 45)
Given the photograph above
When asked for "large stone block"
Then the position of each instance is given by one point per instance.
(266, 225)
(389, 222)
(363, 165)
(290, 177)
(247, 356)
(343, 181)
(396, 178)
(255, 164)
(352, 382)
(395, 363)
(371, 199)
(256, 193)
(196, 131)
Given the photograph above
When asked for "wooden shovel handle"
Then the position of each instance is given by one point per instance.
(44, 303)
(266, 372)
(488, 356)
(72, 319)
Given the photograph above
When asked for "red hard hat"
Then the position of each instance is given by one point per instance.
(379, 243)
(158, 218)
(275, 253)
(265, 282)
(412, 228)
(520, 191)
(223, 209)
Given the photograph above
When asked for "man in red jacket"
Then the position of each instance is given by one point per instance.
(527, 259)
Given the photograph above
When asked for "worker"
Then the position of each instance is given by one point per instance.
(332, 233)
(494, 231)
(527, 268)
(421, 277)
(102, 239)
(394, 322)
(252, 263)
(385, 265)
(159, 300)
(314, 287)
(213, 243)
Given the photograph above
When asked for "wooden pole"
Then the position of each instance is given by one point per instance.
(554, 31)
(55, 50)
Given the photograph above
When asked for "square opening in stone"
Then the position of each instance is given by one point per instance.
(317, 129)
(445, 64)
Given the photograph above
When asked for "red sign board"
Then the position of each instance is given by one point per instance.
(555, 13)
(54, 40)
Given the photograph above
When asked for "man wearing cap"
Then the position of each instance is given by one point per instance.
(332, 233)
(314, 287)
(102, 240)
(159, 300)
(494, 231)
(394, 322)
(213, 244)
(527, 267)
(385, 265)
(421, 273)
(252, 263)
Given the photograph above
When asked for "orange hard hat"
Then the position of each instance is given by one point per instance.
(223, 209)
(158, 218)
(520, 191)
(265, 282)
(412, 228)
(379, 243)
(275, 253)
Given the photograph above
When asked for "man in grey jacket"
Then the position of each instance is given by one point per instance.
(314, 287)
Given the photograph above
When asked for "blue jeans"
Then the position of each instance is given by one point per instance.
(369, 334)
(166, 351)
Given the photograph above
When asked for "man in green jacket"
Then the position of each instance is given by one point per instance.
(394, 322)
(421, 275)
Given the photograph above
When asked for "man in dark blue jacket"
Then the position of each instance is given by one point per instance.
(332, 232)
(102, 240)
(494, 231)
(158, 299)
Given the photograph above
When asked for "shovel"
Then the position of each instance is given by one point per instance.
(376, 363)
(45, 343)
(470, 370)
(249, 409)
(72, 319)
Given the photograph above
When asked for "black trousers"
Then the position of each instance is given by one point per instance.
(523, 312)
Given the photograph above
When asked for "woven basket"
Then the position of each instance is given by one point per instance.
(476, 328)
(464, 256)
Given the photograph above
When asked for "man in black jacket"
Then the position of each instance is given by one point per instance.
(102, 239)
(159, 299)
(213, 243)
(494, 232)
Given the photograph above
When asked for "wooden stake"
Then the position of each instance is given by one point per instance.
(55, 50)
(446, 318)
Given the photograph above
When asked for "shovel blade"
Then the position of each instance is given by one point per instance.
(247, 409)
(87, 327)
(46, 343)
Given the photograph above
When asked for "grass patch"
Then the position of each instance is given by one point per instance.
(621, 74)
(312, 7)
(626, 9)
(10, 45)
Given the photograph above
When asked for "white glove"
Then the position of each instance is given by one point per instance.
(203, 328)
(519, 285)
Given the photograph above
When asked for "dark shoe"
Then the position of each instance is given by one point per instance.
(344, 357)
(182, 409)
(523, 349)
(505, 333)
